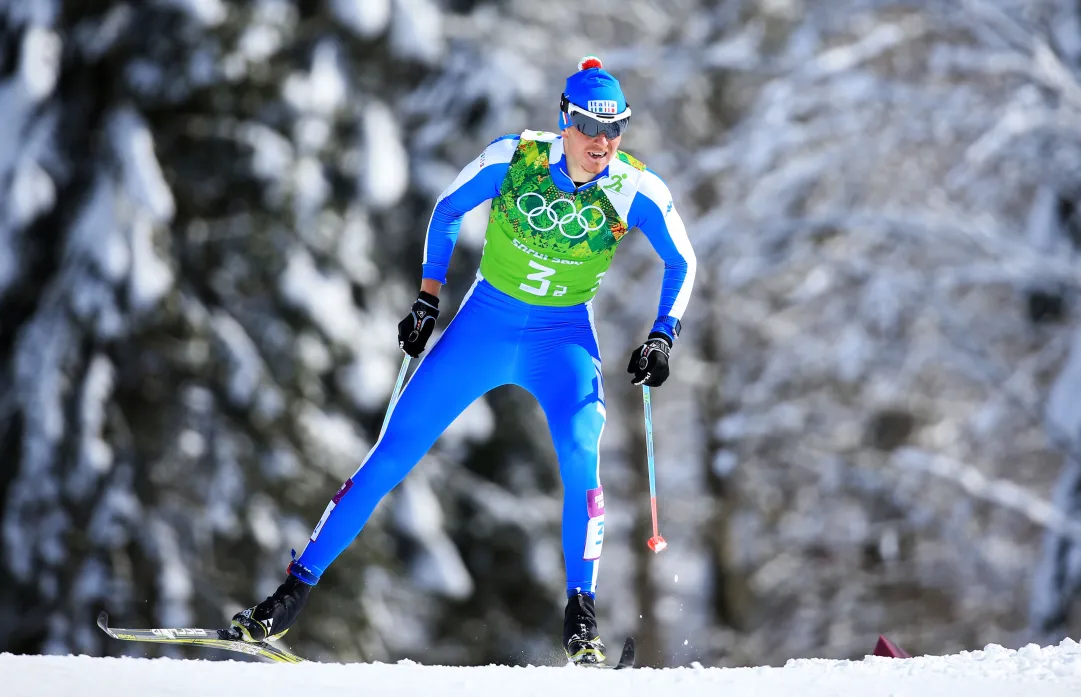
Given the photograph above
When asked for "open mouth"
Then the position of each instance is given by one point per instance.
(597, 155)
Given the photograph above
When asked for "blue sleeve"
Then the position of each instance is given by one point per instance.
(478, 182)
(653, 211)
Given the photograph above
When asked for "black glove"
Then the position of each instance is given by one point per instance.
(415, 329)
(649, 362)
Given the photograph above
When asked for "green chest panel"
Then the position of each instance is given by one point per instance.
(551, 247)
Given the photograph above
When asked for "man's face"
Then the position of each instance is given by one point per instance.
(591, 155)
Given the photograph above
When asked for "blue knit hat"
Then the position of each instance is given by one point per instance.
(594, 89)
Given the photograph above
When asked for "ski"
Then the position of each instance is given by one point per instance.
(626, 658)
(226, 639)
(229, 640)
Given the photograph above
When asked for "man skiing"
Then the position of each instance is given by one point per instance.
(560, 205)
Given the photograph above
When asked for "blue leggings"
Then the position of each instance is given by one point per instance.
(493, 340)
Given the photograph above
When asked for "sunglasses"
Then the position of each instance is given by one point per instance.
(592, 125)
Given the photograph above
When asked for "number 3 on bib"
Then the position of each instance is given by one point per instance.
(541, 275)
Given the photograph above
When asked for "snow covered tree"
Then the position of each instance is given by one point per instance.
(878, 254)
(207, 209)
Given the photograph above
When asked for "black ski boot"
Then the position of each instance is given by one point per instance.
(580, 639)
(273, 617)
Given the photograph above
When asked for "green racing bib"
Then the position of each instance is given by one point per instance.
(551, 247)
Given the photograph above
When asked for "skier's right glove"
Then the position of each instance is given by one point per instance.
(415, 329)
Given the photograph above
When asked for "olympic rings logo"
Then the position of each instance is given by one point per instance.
(550, 217)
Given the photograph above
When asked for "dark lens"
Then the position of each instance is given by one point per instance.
(585, 125)
(615, 129)
(592, 127)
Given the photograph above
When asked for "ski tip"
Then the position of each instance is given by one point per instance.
(103, 623)
(885, 647)
(626, 658)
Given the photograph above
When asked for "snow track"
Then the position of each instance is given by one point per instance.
(1030, 671)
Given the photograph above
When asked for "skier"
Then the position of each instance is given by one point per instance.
(560, 205)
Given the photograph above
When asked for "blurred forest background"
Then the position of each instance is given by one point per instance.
(212, 217)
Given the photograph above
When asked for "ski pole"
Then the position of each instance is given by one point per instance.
(397, 391)
(656, 543)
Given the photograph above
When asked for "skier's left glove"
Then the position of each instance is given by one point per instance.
(415, 329)
(649, 362)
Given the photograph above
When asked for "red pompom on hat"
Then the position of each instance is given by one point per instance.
(589, 62)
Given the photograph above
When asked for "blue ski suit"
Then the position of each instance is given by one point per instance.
(551, 351)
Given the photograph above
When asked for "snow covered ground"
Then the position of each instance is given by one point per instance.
(1027, 672)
